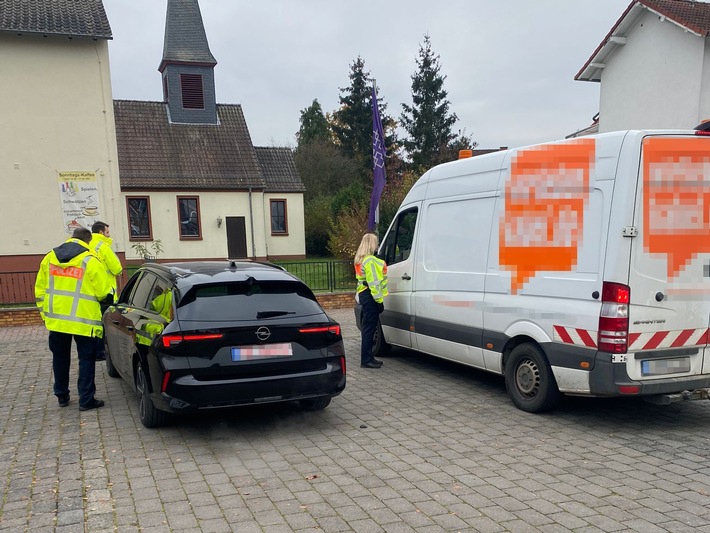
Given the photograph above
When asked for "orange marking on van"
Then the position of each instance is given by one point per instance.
(541, 228)
(676, 199)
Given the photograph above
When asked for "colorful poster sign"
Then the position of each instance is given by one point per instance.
(79, 196)
(676, 199)
(545, 196)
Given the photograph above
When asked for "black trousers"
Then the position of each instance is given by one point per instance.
(370, 316)
(60, 345)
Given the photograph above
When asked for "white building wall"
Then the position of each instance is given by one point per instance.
(295, 243)
(213, 205)
(654, 80)
(56, 114)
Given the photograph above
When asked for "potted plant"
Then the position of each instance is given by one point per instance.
(142, 250)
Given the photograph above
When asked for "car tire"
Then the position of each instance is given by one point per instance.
(380, 347)
(529, 380)
(316, 404)
(150, 416)
(110, 369)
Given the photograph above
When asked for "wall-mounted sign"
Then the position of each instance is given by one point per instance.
(79, 195)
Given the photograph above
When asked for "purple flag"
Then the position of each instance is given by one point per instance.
(378, 162)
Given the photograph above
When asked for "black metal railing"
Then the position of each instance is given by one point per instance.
(323, 276)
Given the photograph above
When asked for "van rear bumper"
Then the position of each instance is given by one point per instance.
(606, 378)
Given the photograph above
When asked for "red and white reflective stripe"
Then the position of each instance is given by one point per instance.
(668, 339)
(576, 336)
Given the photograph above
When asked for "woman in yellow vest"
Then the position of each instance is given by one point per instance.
(371, 274)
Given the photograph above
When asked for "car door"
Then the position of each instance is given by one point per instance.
(119, 344)
(124, 320)
(398, 252)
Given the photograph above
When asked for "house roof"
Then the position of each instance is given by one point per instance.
(279, 169)
(73, 18)
(185, 38)
(691, 15)
(155, 154)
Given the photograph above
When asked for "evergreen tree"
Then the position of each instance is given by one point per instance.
(314, 125)
(429, 121)
(352, 121)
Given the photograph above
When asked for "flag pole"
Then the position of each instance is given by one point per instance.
(378, 162)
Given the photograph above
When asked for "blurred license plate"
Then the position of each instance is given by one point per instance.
(659, 367)
(261, 351)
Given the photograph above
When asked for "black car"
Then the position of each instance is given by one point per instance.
(204, 335)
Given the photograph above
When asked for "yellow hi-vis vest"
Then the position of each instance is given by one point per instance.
(68, 293)
(372, 274)
(101, 247)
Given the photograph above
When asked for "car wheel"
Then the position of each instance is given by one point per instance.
(379, 345)
(316, 404)
(110, 369)
(529, 380)
(150, 416)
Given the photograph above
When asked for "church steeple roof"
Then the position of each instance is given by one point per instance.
(185, 37)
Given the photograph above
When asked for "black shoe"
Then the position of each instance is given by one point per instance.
(372, 364)
(101, 357)
(95, 404)
(63, 400)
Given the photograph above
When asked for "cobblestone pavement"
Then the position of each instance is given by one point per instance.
(419, 445)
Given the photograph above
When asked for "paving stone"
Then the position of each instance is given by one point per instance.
(443, 450)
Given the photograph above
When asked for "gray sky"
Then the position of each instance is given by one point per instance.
(509, 64)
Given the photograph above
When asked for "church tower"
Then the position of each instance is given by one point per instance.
(188, 65)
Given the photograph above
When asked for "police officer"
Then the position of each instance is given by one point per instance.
(100, 245)
(371, 275)
(70, 284)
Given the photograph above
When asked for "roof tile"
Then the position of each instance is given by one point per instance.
(75, 18)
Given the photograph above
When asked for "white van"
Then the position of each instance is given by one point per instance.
(579, 267)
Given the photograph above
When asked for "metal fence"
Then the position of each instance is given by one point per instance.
(321, 276)
(324, 276)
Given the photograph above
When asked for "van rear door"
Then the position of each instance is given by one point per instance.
(669, 276)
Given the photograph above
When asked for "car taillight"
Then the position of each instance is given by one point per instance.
(169, 341)
(334, 329)
(614, 318)
(342, 364)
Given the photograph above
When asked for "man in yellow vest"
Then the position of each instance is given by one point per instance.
(70, 285)
(100, 245)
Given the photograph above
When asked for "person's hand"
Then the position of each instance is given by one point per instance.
(380, 307)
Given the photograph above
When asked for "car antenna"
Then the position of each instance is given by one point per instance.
(232, 264)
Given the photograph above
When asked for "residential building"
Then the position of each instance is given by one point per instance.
(58, 162)
(653, 67)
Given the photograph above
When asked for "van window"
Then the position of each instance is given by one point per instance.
(398, 243)
(456, 234)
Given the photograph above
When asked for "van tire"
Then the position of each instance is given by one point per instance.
(379, 344)
(529, 380)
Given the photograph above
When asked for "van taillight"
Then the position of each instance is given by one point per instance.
(613, 334)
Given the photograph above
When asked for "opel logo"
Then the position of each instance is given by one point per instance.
(263, 333)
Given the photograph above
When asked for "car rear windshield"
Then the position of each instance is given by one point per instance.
(250, 300)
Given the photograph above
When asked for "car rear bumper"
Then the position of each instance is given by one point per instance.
(187, 394)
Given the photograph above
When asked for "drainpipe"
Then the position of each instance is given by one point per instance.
(251, 221)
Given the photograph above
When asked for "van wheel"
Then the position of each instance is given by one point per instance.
(150, 416)
(529, 380)
(379, 345)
